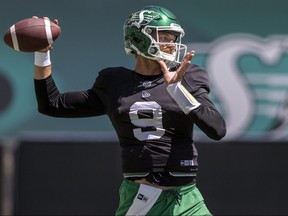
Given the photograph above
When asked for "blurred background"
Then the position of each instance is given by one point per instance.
(55, 166)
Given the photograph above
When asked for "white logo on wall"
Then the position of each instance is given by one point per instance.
(249, 82)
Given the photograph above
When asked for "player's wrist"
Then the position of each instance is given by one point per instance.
(42, 59)
(182, 97)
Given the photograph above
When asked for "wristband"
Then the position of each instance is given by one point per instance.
(42, 59)
(182, 97)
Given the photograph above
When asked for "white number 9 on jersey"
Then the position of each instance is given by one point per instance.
(150, 127)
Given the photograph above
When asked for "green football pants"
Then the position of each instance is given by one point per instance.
(139, 199)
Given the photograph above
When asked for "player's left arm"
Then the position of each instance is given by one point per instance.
(207, 117)
(191, 94)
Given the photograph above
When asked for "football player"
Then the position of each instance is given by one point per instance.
(153, 108)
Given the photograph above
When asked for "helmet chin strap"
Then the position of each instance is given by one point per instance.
(170, 64)
(169, 59)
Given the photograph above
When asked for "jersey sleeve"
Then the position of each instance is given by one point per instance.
(70, 104)
(206, 116)
(196, 80)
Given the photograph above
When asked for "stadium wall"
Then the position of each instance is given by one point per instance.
(71, 175)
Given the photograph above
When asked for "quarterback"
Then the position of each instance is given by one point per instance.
(153, 108)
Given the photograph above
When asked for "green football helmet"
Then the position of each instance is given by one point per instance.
(140, 26)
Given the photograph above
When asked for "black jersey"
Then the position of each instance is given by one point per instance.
(154, 133)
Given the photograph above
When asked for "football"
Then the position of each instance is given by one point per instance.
(32, 34)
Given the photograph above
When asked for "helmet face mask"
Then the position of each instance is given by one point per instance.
(141, 35)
